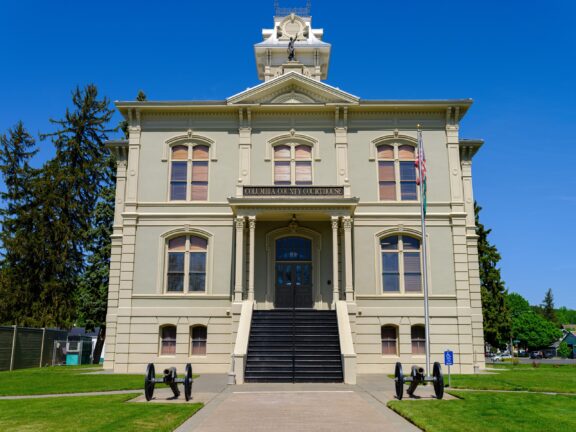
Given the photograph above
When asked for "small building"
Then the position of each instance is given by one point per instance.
(292, 204)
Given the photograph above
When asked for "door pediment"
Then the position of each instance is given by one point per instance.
(292, 88)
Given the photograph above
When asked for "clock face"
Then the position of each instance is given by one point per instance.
(291, 29)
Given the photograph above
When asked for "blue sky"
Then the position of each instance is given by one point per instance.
(515, 59)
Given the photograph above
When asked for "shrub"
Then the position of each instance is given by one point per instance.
(563, 350)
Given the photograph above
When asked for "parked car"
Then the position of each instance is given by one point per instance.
(501, 357)
(536, 355)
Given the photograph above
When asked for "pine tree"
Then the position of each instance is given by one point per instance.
(67, 193)
(17, 288)
(92, 296)
(548, 311)
(494, 306)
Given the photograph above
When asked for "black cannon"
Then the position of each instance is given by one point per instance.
(170, 378)
(418, 377)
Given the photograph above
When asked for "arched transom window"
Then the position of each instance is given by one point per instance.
(186, 269)
(292, 164)
(401, 264)
(397, 172)
(189, 173)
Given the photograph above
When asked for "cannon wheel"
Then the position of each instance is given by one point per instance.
(149, 381)
(188, 382)
(399, 379)
(438, 380)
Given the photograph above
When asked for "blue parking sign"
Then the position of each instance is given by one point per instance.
(448, 358)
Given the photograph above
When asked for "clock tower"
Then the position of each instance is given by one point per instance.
(311, 53)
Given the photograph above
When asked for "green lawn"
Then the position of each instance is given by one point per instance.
(91, 413)
(482, 412)
(64, 379)
(546, 378)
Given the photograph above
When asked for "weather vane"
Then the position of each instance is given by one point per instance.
(300, 11)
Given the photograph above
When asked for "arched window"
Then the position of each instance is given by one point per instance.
(401, 264)
(389, 336)
(418, 339)
(198, 337)
(397, 172)
(189, 173)
(186, 269)
(168, 340)
(292, 164)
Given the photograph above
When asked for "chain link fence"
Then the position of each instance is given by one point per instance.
(23, 347)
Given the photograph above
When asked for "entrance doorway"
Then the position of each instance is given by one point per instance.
(293, 269)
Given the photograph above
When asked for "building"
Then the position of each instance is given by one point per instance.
(291, 194)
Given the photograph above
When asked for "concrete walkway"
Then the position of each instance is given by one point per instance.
(300, 407)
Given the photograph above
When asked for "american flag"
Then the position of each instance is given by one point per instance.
(421, 166)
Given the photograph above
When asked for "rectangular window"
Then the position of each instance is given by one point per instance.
(197, 271)
(408, 181)
(412, 272)
(387, 180)
(199, 190)
(168, 341)
(390, 272)
(418, 340)
(178, 181)
(175, 271)
(303, 173)
(199, 337)
(282, 173)
(389, 341)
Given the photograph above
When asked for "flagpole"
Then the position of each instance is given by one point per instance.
(424, 250)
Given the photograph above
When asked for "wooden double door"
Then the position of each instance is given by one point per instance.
(294, 275)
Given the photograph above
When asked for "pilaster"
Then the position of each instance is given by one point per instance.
(348, 265)
(133, 158)
(239, 268)
(341, 143)
(252, 230)
(335, 275)
(244, 150)
(452, 142)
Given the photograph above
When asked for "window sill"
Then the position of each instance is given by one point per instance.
(181, 295)
(405, 296)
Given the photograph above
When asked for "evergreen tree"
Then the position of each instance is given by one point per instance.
(92, 297)
(17, 288)
(494, 308)
(548, 307)
(67, 193)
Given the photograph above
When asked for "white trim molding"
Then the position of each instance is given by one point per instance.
(189, 138)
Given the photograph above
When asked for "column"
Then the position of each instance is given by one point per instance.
(239, 285)
(349, 287)
(335, 284)
(252, 228)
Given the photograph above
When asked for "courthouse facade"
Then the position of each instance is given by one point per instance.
(291, 195)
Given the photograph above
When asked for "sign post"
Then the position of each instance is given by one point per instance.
(448, 361)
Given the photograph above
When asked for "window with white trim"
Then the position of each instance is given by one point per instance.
(189, 172)
(186, 264)
(168, 340)
(389, 336)
(292, 164)
(198, 338)
(401, 264)
(397, 172)
(418, 334)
